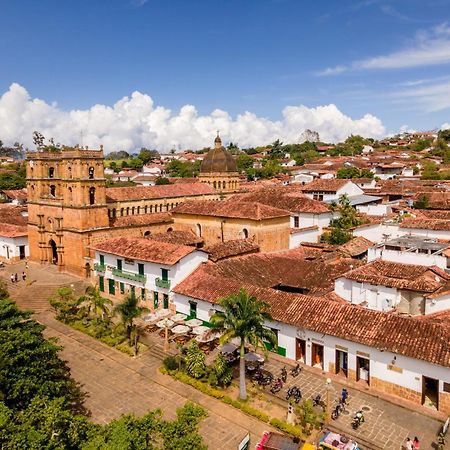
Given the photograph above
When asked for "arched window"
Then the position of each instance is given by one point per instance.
(70, 171)
(51, 172)
(114, 212)
(52, 190)
(121, 212)
(151, 208)
(223, 184)
(138, 210)
(215, 185)
(244, 233)
(198, 230)
(132, 211)
(91, 173)
(147, 234)
(170, 229)
(70, 195)
(50, 224)
(145, 209)
(128, 211)
(92, 196)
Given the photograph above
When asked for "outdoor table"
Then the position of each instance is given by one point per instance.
(194, 323)
(200, 330)
(162, 323)
(228, 348)
(180, 329)
(178, 317)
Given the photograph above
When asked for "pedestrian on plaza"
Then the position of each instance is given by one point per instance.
(416, 443)
(24, 276)
(409, 444)
(16, 278)
(344, 395)
(12, 278)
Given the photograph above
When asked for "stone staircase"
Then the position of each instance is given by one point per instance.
(35, 296)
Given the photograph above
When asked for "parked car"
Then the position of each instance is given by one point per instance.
(335, 441)
(278, 441)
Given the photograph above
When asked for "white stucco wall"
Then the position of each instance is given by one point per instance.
(437, 234)
(410, 370)
(421, 259)
(9, 247)
(303, 236)
(379, 232)
(375, 209)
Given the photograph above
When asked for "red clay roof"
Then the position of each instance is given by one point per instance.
(232, 248)
(144, 249)
(436, 200)
(420, 339)
(401, 276)
(12, 231)
(141, 220)
(16, 194)
(331, 185)
(230, 208)
(13, 214)
(177, 237)
(289, 198)
(426, 224)
(158, 192)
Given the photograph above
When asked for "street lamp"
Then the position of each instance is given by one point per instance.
(328, 405)
(166, 336)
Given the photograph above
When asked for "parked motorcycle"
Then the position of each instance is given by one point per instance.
(295, 392)
(263, 379)
(284, 374)
(276, 386)
(358, 419)
(338, 410)
(317, 401)
(296, 370)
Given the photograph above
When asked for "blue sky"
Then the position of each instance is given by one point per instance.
(387, 58)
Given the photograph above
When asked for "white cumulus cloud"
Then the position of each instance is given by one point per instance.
(445, 126)
(134, 122)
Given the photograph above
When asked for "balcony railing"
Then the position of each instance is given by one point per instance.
(162, 283)
(129, 275)
(99, 267)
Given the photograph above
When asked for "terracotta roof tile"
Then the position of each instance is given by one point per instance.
(156, 192)
(141, 220)
(13, 214)
(178, 237)
(289, 198)
(426, 224)
(408, 336)
(230, 208)
(144, 249)
(16, 194)
(230, 249)
(401, 276)
(12, 231)
(331, 185)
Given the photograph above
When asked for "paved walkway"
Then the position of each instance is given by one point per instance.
(118, 384)
(386, 426)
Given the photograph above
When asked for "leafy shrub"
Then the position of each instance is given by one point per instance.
(170, 363)
(195, 361)
(293, 430)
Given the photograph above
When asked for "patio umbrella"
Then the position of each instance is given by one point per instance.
(179, 317)
(228, 348)
(180, 329)
(194, 322)
(200, 330)
(253, 357)
(162, 323)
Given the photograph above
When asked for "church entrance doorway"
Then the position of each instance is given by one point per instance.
(54, 253)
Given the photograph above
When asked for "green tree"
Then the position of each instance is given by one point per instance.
(129, 310)
(244, 162)
(97, 304)
(421, 202)
(337, 236)
(354, 172)
(221, 370)
(355, 143)
(422, 144)
(162, 180)
(146, 155)
(195, 361)
(136, 164)
(445, 135)
(243, 318)
(183, 169)
(430, 171)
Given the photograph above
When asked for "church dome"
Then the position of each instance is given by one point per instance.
(218, 159)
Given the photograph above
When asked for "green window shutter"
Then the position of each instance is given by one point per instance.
(141, 268)
(143, 294)
(133, 292)
(122, 288)
(119, 264)
(101, 283)
(165, 274)
(155, 299)
(102, 260)
(165, 301)
(112, 287)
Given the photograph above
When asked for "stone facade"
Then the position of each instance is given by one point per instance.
(270, 234)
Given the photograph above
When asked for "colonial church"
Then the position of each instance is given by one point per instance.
(70, 209)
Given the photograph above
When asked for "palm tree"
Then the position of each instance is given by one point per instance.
(243, 318)
(96, 303)
(129, 310)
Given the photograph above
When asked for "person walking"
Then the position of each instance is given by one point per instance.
(344, 395)
(408, 444)
(12, 278)
(16, 278)
(416, 443)
(24, 276)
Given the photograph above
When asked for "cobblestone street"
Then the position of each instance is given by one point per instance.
(386, 425)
